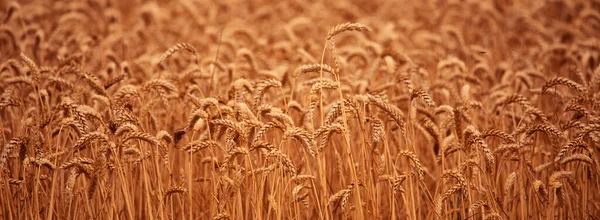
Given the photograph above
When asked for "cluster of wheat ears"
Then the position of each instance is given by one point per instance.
(436, 109)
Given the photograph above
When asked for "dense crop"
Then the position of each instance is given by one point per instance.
(433, 109)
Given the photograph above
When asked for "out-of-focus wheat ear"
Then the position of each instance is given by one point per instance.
(9, 147)
(293, 104)
(556, 176)
(305, 177)
(247, 53)
(540, 189)
(136, 135)
(342, 195)
(11, 9)
(197, 116)
(492, 216)
(510, 182)
(456, 174)
(164, 136)
(69, 186)
(35, 70)
(221, 215)
(160, 84)
(174, 190)
(285, 160)
(8, 97)
(12, 181)
(497, 133)
(451, 62)
(101, 99)
(557, 187)
(125, 128)
(564, 81)
(244, 113)
(440, 201)
(297, 190)
(126, 91)
(63, 83)
(94, 179)
(178, 47)
(542, 167)
(307, 68)
(398, 58)
(473, 208)
(334, 56)
(239, 89)
(587, 130)
(46, 163)
(377, 129)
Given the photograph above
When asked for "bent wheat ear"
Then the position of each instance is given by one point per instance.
(391, 110)
(563, 81)
(497, 133)
(415, 160)
(575, 158)
(158, 84)
(424, 96)
(567, 147)
(94, 82)
(307, 68)
(342, 195)
(198, 145)
(178, 47)
(440, 202)
(303, 136)
(347, 27)
(174, 190)
(88, 138)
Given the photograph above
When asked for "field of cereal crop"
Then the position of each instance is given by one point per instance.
(259, 109)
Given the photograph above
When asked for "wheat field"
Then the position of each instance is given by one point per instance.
(233, 109)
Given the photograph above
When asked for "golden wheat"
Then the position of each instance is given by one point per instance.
(180, 110)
